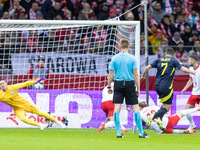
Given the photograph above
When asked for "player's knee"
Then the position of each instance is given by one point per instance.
(24, 119)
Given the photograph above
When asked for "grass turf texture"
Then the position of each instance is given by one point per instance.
(89, 139)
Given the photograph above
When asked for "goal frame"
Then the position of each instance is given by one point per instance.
(84, 22)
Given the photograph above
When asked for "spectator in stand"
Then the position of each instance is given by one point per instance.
(5, 15)
(158, 13)
(37, 72)
(32, 41)
(196, 48)
(181, 53)
(83, 14)
(92, 16)
(186, 34)
(112, 14)
(172, 20)
(67, 5)
(119, 9)
(22, 15)
(169, 6)
(129, 16)
(195, 37)
(5, 51)
(129, 4)
(193, 18)
(152, 31)
(70, 41)
(26, 4)
(54, 11)
(85, 45)
(150, 21)
(68, 15)
(175, 40)
(141, 12)
(161, 48)
(187, 6)
(166, 27)
(155, 43)
(79, 7)
(39, 16)
(178, 10)
(104, 12)
(99, 36)
(180, 22)
(14, 9)
(96, 6)
(34, 10)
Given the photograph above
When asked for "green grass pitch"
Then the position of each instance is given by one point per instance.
(89, 139)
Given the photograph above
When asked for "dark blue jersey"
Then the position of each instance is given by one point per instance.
(166, 70)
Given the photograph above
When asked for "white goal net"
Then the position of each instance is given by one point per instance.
(73, 56)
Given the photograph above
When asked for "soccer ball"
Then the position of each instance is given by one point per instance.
(38, 86)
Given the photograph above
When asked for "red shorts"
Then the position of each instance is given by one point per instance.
(172, 121)
(108, 107)
(193, 100)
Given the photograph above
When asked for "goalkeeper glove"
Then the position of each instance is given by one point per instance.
(42, 79)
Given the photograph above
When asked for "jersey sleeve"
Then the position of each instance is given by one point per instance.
(177, 63)
(24, 84)
(134, 64)
(154, 64)
(112, 65)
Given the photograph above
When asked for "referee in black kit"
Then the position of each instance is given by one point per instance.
(125, 67)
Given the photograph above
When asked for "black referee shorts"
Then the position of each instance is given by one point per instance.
(127, 92)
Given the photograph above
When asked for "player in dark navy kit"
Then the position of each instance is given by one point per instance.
(164, 82)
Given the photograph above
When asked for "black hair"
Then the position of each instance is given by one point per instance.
(142, 104)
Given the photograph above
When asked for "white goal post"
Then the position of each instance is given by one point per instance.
(76, 55)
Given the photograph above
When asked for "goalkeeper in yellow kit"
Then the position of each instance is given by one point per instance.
(10, 96)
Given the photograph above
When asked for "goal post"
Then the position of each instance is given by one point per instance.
(76, 56)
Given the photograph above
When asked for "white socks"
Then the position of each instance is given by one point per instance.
(189, 111)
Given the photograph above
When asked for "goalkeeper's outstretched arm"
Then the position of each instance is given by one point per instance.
(27, 83)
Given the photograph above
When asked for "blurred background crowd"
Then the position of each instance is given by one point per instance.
(170, 22)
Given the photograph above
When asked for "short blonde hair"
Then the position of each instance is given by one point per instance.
(124, 43)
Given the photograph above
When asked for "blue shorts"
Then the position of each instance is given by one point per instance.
(165, 94)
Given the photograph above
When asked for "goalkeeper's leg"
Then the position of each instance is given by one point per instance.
(49, 117)
(22, 116)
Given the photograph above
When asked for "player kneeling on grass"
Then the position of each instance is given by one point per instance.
(10, 96)
(107, 106)
(168, 122)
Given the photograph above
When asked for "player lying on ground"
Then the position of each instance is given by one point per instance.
(10, 96)
(107, 106)
(168, 122)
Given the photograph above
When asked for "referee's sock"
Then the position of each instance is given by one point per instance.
(138, 121)
(117, 122)
(160, 113)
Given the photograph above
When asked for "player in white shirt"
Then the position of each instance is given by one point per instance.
(107, 106)
(195, 80)
(168, 122)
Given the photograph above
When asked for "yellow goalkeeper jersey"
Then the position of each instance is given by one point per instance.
(12, 97)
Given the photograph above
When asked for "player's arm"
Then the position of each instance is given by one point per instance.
(137, 82)
(27, 83)
(186, 70)
(188, 84)
(146, 69)
(110, 78)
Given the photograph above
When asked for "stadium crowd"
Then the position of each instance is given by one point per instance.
(170, 22)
